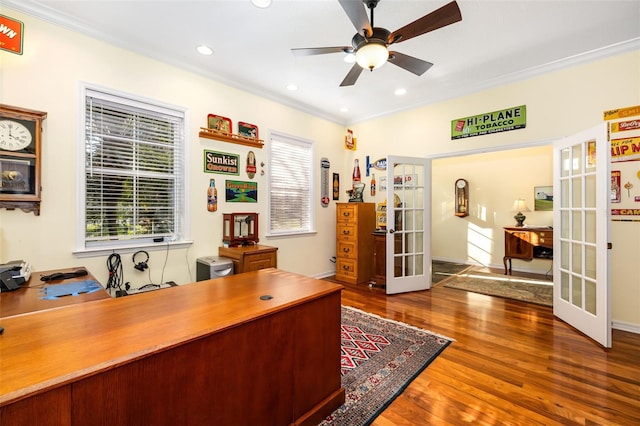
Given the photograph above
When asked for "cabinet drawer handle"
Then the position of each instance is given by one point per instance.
(345, 232)
(346, 268)
(346, 250)
(542, 240)
(346, 214)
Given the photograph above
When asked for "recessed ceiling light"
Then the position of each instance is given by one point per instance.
(205, 50)
(261, 3)
(350, 58)
(292, 87)
(344, 109)
(400, 92)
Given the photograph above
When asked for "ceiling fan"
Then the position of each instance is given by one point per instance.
(370, 44)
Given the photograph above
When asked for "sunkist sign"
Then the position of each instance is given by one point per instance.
(11, 32)
(490, 122)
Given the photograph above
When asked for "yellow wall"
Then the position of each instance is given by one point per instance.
(48, 75)
(558, 104)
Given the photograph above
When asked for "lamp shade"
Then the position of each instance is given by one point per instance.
(372, 55)
(519, 206)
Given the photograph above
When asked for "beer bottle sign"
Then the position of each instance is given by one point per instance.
(212, 196)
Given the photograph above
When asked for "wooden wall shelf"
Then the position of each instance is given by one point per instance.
(230, 137)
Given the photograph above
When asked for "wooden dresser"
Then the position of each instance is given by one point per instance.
(527, 244)
(251, 258)
(355, 223)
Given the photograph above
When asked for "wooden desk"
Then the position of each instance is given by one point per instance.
(527, 244)
(29, 299)
(211, 352)
(250, 258)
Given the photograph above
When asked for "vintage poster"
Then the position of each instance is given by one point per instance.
(221, 162)
(624, 140)
(490, 122)
(240, 192)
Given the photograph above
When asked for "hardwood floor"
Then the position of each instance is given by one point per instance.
(512, 363)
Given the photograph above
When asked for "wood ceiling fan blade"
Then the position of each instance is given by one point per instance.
(306, 51)
(357, 13)
(446, 15)
(409, 63)
(352, 76)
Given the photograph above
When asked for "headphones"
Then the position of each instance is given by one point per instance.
(141, 266)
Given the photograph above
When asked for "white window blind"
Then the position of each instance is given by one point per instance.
(133, 170)
(290, 185)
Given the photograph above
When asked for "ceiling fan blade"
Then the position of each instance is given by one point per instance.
(446, 15)
(352, 76)
(357, 13)
(306, 51)
(409, 63)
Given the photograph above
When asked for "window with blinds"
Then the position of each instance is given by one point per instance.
(133, 171)
(290, 185)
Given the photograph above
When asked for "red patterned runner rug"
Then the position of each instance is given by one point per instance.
(379, 359)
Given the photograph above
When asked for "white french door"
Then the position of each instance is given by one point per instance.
(408, 224)
(581, 289)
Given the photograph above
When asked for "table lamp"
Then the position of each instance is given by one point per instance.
(519, 206)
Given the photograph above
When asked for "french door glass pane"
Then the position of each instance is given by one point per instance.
(576, 291)
(564, 286)
(576, 258)
(590, 296)
(590, 261)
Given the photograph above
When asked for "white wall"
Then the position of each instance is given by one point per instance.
(47, 78)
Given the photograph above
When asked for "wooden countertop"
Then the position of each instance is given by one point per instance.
(28, 298)
(46, 349)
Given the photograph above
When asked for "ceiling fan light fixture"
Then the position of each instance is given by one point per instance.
(204, 50)
(372, 55)
(350, 58)
(262, 4)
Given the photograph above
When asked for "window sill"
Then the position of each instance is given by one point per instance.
(292, 234)
(107, 250)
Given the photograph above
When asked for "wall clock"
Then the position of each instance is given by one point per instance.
(20, 144)
(462, 198)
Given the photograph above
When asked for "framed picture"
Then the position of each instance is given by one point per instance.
(18, 175)
(240, 192)
(247, 130)
(219, 123)
(543, 196)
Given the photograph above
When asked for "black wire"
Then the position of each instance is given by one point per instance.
(166, 257)
(114, 266)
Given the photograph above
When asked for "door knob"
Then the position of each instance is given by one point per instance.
(391, 231)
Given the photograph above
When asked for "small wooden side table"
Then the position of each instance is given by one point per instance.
(250, 258)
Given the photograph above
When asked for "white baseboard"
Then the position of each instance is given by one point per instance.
(324, 275)
(626, 326)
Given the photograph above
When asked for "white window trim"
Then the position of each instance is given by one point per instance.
(81, 249)
(312, 193)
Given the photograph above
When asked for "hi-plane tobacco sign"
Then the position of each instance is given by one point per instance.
(490, 122)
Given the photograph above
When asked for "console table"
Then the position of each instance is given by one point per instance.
(257, 348)
(527, 244)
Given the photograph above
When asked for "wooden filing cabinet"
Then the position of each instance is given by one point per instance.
(250, 258)
(527, 244)
(355, 223)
